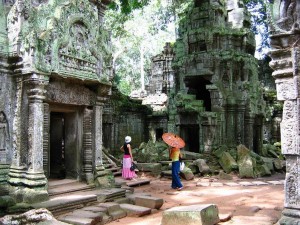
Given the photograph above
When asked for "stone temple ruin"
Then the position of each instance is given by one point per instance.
(55, 78)
(59, 111)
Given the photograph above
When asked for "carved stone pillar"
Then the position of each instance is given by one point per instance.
(230, 124)
(249, 122)
(285, 53)
(88, 146)
(28, 182)
(97, 121)
(240, 126)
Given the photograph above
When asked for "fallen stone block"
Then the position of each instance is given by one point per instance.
(118, 214)
(149, 202)
(110, 206)
(192, 215)
(135, 210)
(78, 220)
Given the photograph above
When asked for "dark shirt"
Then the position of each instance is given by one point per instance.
(126, 150)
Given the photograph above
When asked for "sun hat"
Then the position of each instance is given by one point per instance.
(127, 139)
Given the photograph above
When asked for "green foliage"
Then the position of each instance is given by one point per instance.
(142, 32)
(127, 6)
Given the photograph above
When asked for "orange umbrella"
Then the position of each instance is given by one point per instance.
(173, 140)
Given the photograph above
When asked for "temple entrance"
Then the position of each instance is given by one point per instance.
(64, 151)
(57, 146)
(190, 134)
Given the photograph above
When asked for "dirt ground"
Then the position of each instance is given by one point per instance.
(244, 205)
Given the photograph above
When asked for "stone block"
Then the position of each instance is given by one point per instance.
(118, 214)
(246, 167)
(78, 220)
(201, 164)
(187, 174)
(227, 162)
(135, 210)
(192, 215)
(149, 167)
(110, 206)
(149, 202)
(88, 214)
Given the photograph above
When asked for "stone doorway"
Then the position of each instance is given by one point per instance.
(190, 134)
(64, 150)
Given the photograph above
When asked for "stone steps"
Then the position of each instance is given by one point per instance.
(105, 212)
(70, 187)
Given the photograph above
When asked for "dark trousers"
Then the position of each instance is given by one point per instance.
(176, 183)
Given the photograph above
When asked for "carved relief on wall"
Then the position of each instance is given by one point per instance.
(285, 89)
(292, 185)
(3, 138)
(285, 17)
(69, 94)
(288, 128)
(75, 58)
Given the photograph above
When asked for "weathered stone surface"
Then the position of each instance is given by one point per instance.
(227, 162)
(201, 164)
(135, 210)
(245, 162)
(187, 174)
(149, 202)
(191, 215)
(29, 217)
(149, 167)
(77, 220)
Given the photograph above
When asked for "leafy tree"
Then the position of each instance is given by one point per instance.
(142, 30)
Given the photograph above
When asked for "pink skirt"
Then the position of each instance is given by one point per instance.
(126, 172)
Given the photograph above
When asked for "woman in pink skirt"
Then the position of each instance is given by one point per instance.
(127, 160)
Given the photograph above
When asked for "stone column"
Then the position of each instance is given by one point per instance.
(240, 126)
(230, 124)
(29, 184)
(97, 121)
(249, 121)
(88, 145)
(285, 54)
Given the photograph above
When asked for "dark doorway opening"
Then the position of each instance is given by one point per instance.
(57, 146)
(158, 133)
(190, 134)
(197, 86)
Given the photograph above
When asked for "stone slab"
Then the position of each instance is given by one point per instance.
(87, 214)
(77, 220)
(246, 183)
(231, 184)
(149, 202)
(138, 182)
(259, 183)
(203, 184)
(118, 214)
(274, 182)
(135, 210)
(202, 214)
(216, 184)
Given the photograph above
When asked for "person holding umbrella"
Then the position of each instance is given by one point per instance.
(175, 143)
(127, 160)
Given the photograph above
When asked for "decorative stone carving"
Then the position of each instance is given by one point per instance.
(69, 94)
(4, 138)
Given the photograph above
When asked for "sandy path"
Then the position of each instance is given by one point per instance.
(255, 205)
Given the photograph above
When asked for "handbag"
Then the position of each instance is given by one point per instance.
(182, 165)
(133, 166)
